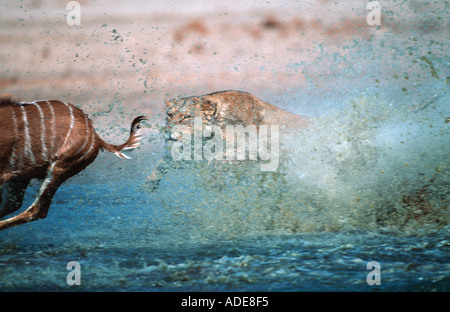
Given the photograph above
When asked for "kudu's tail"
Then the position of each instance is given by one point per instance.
(133, 140)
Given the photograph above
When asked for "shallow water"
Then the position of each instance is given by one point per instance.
(125, 243)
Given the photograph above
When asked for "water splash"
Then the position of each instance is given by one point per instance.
(369, 166)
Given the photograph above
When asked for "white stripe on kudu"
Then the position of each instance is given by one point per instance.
(86, 123)
(27, 146)
(72, 122)
(12, 159)
(61, 159)
(91, 146)
(52, 126)
(44, 152)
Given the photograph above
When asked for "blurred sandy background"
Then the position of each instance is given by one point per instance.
(126, 57)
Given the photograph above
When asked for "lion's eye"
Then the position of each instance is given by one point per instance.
(185, 117)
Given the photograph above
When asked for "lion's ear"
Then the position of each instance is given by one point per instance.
(170, 103)
(208, 106)
(209, 109)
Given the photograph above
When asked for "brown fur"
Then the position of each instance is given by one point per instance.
(42, 144)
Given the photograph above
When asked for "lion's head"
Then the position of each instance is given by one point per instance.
(181, 112)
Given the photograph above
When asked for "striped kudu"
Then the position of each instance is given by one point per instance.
(48, 140)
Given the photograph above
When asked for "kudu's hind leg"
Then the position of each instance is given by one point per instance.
(11, 196)
(39, 208)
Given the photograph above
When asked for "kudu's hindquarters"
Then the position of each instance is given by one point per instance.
(51, 140)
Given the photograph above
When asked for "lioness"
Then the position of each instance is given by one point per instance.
(220, 109)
